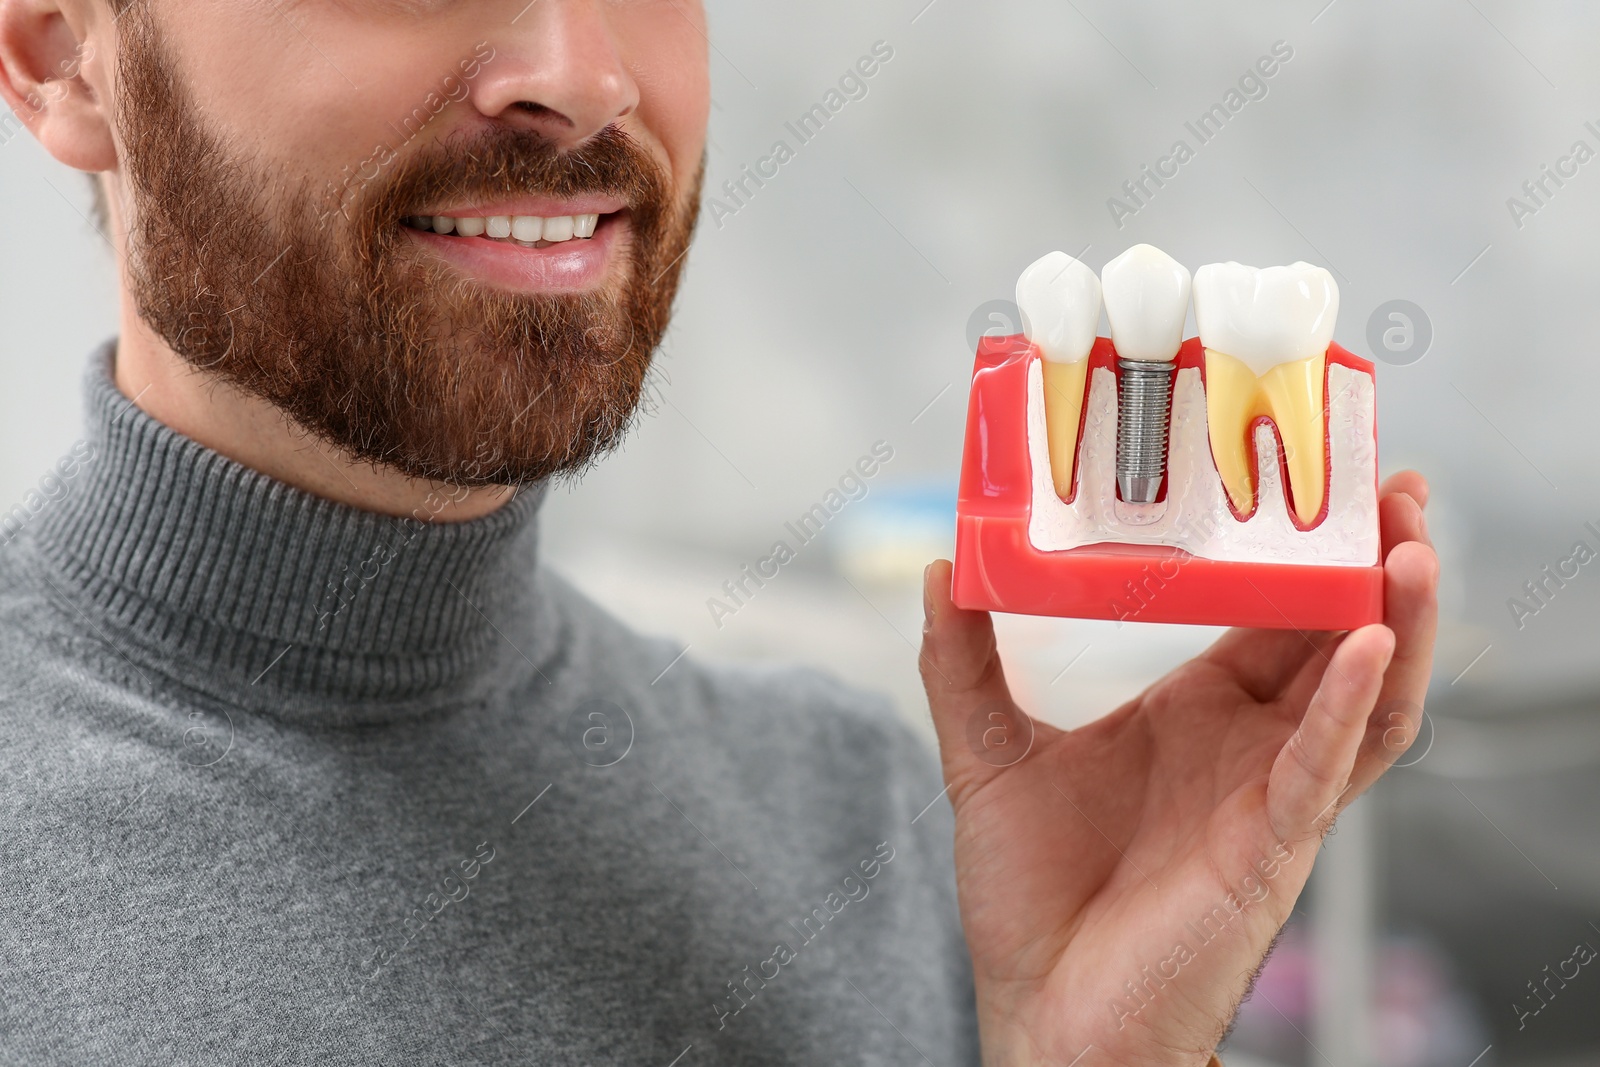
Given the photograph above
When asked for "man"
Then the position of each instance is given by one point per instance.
(307, 760)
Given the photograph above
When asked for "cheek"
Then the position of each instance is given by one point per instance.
(669, 62)
(323, 92)
(246, 70)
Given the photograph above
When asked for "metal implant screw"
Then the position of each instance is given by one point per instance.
(1144, 398)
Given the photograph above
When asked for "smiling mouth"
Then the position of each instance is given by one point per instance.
(525, 230)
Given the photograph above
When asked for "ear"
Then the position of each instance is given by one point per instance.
(55, 73)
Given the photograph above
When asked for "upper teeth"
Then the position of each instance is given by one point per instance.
(524, 228)
(1147, 301)
(1059, 299)
(1265, 317)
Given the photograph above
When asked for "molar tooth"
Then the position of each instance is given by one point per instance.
(527, 228)
(1266, 334)
(470, 227)
(1059, 299)
(443, 224)
(558, 229)
(498, 226)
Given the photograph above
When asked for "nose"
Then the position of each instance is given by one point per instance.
(557, 70)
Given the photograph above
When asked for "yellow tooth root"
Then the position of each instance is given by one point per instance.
(1063, 409)
(1294, 393)
(1291, 395)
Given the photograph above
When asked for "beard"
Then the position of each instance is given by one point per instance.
(318, 304)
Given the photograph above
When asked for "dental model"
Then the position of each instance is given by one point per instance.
(1230, 479)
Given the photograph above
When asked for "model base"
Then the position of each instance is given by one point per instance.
(999, 566)
(998, 570)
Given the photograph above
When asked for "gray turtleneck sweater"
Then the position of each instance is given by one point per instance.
(283, 782)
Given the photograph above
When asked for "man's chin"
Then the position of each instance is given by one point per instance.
(501, 392)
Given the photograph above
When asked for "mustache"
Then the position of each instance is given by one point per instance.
(499, 163)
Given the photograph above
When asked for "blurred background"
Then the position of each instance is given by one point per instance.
(834, 309)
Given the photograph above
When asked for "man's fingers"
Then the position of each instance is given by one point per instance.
(981, 730)
(1263, 662)
(1408, 611)
(1310, 779)
(1400, 520)
(1411, 580)
(1298, 693)
(1410, 483)
(1411, 611)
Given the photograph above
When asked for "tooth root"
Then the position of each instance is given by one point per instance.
(1291, 395)
(1063, 410)
(1294, 395)
(1232, 393)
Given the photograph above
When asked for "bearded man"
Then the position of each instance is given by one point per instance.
(308, 759)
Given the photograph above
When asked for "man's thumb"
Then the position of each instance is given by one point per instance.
(981, 730)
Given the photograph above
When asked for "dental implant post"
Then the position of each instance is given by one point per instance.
(1146, 296)
(1144, 401)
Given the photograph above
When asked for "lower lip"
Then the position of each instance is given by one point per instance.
(570, 266)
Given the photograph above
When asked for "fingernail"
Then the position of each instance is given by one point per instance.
(927, 600)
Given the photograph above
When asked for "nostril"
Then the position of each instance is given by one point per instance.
(542, 111)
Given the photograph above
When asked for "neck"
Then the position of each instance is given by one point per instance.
(252, 432)
(260, 595)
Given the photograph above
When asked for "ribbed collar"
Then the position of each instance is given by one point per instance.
(271, 598)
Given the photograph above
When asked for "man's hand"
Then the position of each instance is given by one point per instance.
(1121, 883)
